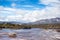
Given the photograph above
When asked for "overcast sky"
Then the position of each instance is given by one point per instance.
(28, 10)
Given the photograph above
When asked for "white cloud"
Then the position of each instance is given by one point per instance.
(26, 15)
(49, 1)
(14, 17)
(13, 11)
(13, 5)
(34, 16)
(1, 8)
(13, 14)
(52, 10)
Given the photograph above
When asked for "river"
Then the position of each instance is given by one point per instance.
(30, 34)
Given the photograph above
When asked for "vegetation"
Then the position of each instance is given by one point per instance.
(17, 26)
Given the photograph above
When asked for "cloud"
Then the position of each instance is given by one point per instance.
(34, 16)
(49, 1)
(51, 10)
(13, 11)
(52, 7)
(12, 14)
(13, 5)
(1, 8)
(19, 14)
(14, 17)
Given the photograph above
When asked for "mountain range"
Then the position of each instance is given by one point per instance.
(47, 21)
(43, 21)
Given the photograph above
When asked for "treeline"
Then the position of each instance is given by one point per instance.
(17, 26)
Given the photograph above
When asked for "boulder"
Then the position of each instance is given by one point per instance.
(12, 35)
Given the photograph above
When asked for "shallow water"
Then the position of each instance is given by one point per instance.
(30, 34)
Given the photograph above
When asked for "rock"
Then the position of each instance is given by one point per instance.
(58, 30)
(12, 35)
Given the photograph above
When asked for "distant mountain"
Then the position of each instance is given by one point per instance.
(47, 21)
(12, 22)
(1, 22)
(43, 21)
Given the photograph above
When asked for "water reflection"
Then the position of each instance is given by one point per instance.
(30, 34)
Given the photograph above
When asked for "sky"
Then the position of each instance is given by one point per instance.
(28, 10)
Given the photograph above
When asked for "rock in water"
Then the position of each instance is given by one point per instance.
(12, 35)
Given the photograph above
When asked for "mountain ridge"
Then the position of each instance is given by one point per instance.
(43, 21)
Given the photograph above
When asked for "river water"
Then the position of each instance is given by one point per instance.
(30, 34)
